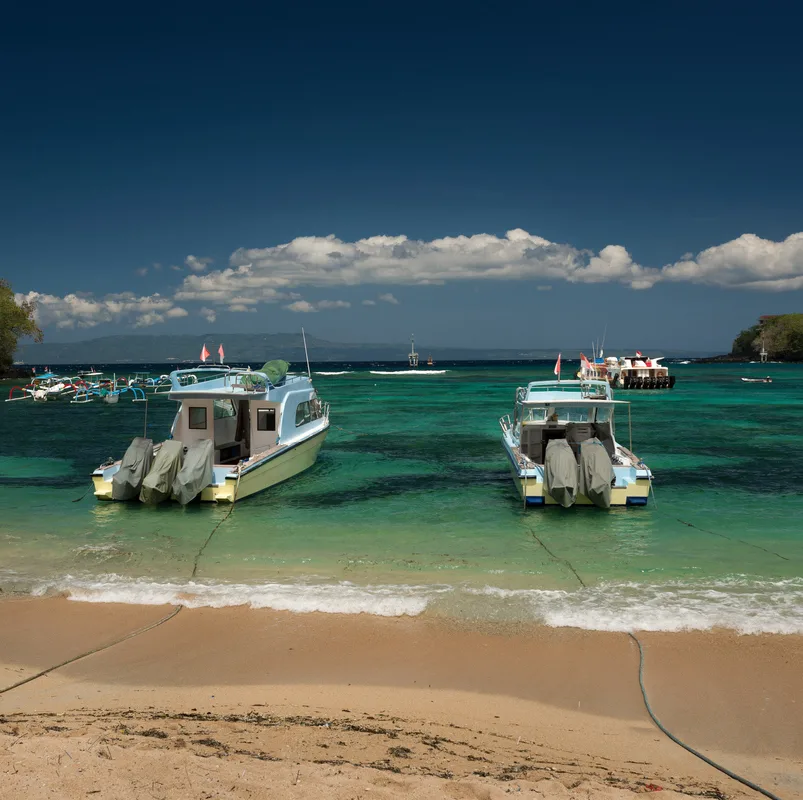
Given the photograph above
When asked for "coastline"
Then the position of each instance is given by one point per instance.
(348, 701)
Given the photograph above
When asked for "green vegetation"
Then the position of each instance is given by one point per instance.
(16, 321)
(782, 336)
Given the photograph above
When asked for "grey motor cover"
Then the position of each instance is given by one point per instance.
(136, 462)
(560, 472)
(158, 482)
(196, 474)
(596, 473)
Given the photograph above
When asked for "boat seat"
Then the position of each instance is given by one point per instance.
(577, 432)
(602, 430)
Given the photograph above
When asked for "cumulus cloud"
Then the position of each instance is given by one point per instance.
(87, 311)
(369, 302)
(304, 307)
(389, 298)
(209, 314)
(748, 262)
(176, 312)
(197, 264)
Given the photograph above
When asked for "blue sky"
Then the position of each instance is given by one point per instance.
(625, 139)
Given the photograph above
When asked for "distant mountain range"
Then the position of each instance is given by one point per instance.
(254, 347)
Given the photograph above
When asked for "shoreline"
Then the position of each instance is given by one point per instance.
(316, 682)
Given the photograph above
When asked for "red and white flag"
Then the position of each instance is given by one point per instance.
(220, 353)
(557, 367)
(204, 354)
(638, 353)
(584, 362)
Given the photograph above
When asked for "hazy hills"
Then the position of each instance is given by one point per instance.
(247, 347)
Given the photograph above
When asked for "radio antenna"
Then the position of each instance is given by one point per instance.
(306, 354)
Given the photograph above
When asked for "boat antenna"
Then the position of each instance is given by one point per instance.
(604, 334)
(306, 354)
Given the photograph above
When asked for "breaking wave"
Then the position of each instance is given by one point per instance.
(739, 603)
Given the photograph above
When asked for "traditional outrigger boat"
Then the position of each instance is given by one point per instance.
(562, 449)
(45, 387)
(236, 433)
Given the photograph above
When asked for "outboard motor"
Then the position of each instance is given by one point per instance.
(159, 481)
(560, 472)
(136, 463)
(196, 474)
(596, 473)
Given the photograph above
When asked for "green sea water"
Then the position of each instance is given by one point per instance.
(411, 509)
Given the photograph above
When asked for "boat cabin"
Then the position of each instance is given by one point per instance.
(242, 411)
(570, 410)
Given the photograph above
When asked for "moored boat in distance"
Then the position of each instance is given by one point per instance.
(412, 359)
(758, 380)
(628, 372)
(563, 451)
(236, 432)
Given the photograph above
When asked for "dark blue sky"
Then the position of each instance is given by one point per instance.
(140, 137)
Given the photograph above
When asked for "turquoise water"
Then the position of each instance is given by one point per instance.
(411, 509)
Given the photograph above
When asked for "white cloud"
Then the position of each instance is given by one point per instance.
(303, 307)
(389, 298)
(269, 274)
(142, 271)
(176, 312)
(209, 314)
(242, 308)
(748, 262)
(369, 302)
(197, 264)
(87, 311)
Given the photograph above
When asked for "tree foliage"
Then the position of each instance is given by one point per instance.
(16, 321)
(782, 336)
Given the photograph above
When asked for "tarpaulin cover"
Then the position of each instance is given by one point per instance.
(560, 472)
(136, 462)
(596, 473)
(158, 482)
(276, 370)
(196, 474)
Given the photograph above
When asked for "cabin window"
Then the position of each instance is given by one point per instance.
(604, 414)
(303, 413)
(535, 414)
(224, 409)
(197, 418)
(573, 413)
(266, 419)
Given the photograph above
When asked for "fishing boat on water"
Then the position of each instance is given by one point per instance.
(758, 380)
(45, 387)
(236, 432)
(412, 359)
(562, 447)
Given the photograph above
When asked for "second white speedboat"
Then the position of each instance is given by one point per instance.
(562, 449)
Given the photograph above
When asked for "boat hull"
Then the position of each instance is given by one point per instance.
(533, 493)
(275, 469)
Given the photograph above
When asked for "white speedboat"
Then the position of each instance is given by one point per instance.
(236, 433)
(563, 451)
(758, 380)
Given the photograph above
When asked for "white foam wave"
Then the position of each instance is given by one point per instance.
(344, 372)
(740, 604)
(410, 372)
(337, 598)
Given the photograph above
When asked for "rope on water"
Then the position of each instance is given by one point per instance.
(93, 651)
(729, 538)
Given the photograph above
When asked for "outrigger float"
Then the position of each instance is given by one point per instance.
(562, 449)
(236, 432)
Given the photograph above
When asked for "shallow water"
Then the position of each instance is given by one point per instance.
(411, 509)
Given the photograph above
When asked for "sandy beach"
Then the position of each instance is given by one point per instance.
(254, 703)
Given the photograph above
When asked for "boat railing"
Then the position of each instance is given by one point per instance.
(505, 424)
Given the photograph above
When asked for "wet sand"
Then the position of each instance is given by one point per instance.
(256, 703)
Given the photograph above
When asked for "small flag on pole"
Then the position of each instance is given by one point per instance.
(585, 364)
(204, 354)
(557, 367)
(220, 353)
(638, 353)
